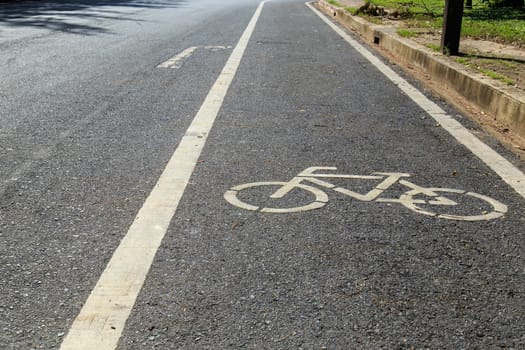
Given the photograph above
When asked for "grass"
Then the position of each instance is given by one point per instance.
(481, 22)
(406, 33)
(497, 76)
(334, 2)
(352, 10)
(434, 47)
(433, 23)
(509, 64)
(464, 61)
(507, 31)
(488, 72)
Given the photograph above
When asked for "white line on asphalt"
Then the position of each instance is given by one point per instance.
(217, 47)
(508, 172)
(176, 61)
(102, 319)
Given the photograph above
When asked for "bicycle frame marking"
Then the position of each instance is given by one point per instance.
(389, 179)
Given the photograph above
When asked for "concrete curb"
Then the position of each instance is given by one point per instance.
(505, 104)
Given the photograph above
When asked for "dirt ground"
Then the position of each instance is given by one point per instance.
(481, 56)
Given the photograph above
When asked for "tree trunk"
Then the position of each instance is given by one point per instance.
(451, 27)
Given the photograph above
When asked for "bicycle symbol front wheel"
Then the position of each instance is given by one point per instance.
(231, 196)
(498, 209)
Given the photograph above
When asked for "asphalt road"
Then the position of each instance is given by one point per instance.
(89, 121)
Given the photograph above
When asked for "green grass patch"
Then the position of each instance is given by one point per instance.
(497, 76)
(352, 10)
(504, 25)
(335, 3)
(406, 33)
(464, 61)
(510, 31)
(434, 47)
(509, 64)
(488, 72)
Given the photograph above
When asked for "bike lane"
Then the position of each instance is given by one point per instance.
(356, 272)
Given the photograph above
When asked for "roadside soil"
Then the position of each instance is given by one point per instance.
(481, 56)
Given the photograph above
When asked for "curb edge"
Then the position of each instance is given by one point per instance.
(502, 103)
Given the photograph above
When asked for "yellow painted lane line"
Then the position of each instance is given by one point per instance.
(102, 319)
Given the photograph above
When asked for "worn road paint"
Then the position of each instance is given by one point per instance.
(103, 317)
(176, 61)
(508, 172)
(217, 48)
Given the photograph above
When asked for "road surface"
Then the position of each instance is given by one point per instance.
(241, 175)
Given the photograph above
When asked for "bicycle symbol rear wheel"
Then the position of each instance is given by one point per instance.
(231, 196)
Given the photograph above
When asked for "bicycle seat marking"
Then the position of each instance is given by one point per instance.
(410, 199)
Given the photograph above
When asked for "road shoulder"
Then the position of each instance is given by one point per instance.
(499, 109)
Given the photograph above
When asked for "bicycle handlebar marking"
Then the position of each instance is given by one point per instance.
(407, 199)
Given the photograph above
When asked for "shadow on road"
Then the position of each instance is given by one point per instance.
(73, 16)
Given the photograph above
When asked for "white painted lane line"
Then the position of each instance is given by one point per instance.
(508, 172)
(409, 199)
(103, 317)
(177, 60)
(217, 48)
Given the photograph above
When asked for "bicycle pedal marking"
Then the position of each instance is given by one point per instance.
(436, 195)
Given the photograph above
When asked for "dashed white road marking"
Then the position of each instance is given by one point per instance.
(217, 48)
(177, 60)
(103, 317)
(501, 166)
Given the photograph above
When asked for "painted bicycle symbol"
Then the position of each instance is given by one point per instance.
(422, 200)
